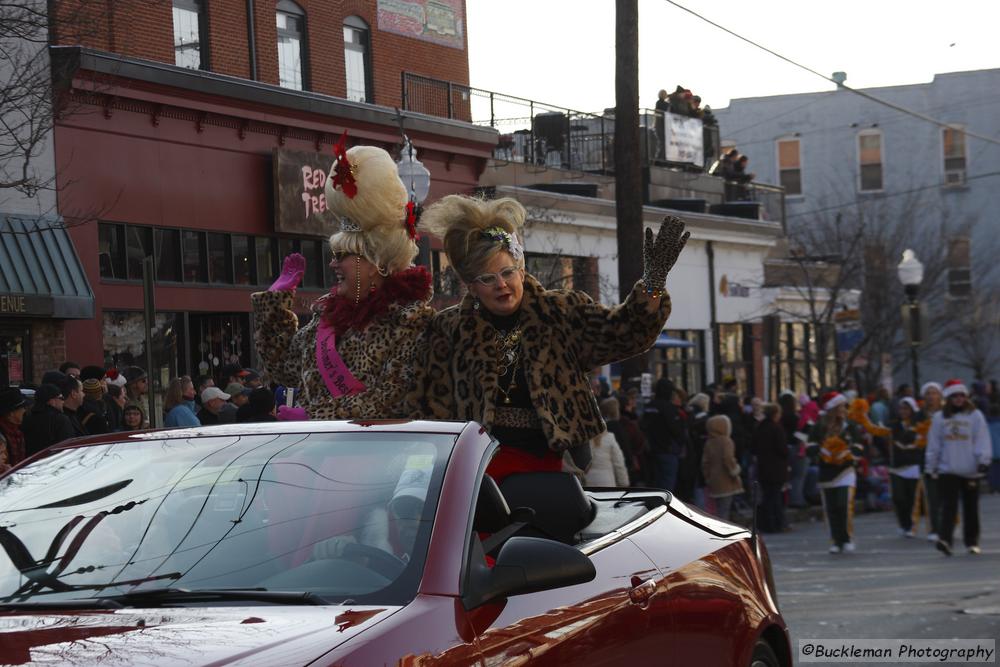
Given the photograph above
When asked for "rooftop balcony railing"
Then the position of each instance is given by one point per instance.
(537, 133)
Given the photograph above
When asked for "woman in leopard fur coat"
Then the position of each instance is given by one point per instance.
(515, 356)
(354, 359)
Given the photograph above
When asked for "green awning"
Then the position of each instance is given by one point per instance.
(40, 272)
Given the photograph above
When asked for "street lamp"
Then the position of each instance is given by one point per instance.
(911, 274)
(417, 179)
(413, 173)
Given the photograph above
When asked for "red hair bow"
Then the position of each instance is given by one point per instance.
(411, 220)
(343, 170)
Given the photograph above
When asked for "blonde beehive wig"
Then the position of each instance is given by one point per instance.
(463, 223)
(378, 209)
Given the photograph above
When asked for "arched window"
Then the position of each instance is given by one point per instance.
(291, 45)
(190, 34)
(357, 59)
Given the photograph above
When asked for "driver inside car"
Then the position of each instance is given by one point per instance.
(391, 527)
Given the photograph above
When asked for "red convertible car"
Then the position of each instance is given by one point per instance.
(362, 544)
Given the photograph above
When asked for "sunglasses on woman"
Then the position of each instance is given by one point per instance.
(492, 279)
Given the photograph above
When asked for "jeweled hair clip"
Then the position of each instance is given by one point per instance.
(507, 240)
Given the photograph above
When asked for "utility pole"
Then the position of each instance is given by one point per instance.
(628, 171)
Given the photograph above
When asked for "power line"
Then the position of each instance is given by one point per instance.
(861, 93)
(921, 188)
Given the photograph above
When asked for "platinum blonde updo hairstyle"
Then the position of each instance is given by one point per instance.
(470, 229)
(378, 209)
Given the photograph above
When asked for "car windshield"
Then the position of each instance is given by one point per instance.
(344, 516)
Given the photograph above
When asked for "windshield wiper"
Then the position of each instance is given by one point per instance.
(158, 596)
(227, 594)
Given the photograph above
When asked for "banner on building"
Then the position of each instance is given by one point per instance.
(438, 21)
(684, 140)
(299, 200)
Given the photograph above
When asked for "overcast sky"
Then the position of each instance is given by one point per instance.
(562, 51)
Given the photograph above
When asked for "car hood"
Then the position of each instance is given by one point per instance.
(269, 635)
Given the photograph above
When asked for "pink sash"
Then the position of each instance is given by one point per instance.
(331, 366)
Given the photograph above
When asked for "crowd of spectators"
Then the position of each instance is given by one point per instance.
(79, 400)
(710, 449)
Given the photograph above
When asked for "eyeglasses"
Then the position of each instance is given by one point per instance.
(491, 279)
(339, 257)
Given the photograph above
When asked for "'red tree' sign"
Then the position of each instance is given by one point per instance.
(299, 201)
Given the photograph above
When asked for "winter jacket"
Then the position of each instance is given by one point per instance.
(92, 419)
(904, 452)
(994, 425)
(718, 462)
(378, 351)
(182, 414)
(664, 427)
(959, 444)
(770, 446)
(564, 336)
(607, 467)
(45, 426)
(835, 453)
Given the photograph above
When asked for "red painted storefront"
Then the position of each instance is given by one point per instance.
(155, 146)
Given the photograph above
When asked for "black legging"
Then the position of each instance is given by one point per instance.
(903, 493)
(950, 487)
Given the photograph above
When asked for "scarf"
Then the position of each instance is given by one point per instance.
(404, 287)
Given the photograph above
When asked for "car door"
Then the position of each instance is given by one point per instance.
(702, 588)
(597, 623)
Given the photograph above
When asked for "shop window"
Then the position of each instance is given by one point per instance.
(15, 357)
(244, 269)
(220, 264)
(314, 264)
(790, 166)
(111, 250)
(685, 366)
(954, 156)
(446, 280)
(267, 260)
(138, 246)
(357, 59)
(291, 21)
(219, 339)
(124, 336)
(736, 355)
(190, 34)
(195, 264)
(870, 160)
(168, 254)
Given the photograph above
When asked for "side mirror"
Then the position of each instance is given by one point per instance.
(528, 565)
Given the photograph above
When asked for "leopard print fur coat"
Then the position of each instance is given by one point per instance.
(564, 336)
(377, 349)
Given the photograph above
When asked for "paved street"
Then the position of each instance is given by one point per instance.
(890, 587)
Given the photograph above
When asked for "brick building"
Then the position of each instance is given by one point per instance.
(198, 133)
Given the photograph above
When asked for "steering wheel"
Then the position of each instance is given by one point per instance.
(382, 562)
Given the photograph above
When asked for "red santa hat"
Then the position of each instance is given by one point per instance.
(832, 399)
(952, 387)
(114, 377)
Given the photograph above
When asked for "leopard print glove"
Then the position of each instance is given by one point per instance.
(659, 255)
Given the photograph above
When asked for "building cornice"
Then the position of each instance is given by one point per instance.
(68, 61)
(601, 215)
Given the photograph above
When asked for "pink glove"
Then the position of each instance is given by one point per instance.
(287, 414)
(292, 271)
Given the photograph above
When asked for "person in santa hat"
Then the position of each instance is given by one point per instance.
(926, 499)
(904, 463)
(836, 443)
(958, 455)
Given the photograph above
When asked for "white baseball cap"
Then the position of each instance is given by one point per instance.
(213, 392)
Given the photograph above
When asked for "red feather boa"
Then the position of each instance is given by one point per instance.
(413, 284)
